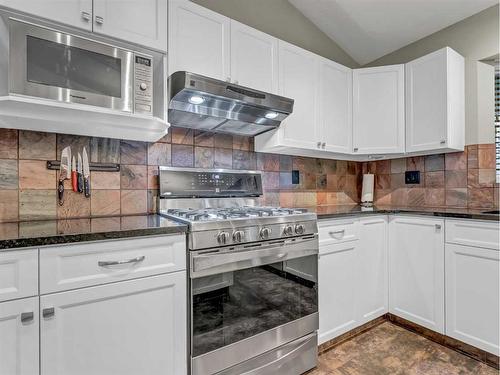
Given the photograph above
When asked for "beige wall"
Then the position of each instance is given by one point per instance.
(280, 19)
(476, 38)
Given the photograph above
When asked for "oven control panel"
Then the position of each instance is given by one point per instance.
(143, 84)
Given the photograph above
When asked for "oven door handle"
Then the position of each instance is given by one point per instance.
(220, 262)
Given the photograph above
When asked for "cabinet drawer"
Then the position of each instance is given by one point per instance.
(18, 274)
(94, 263)
(473, 233)
(338, 231)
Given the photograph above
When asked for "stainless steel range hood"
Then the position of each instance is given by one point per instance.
(208, 104)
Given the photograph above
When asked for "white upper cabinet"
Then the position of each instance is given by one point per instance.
(378, 110)
(435, 106)
(76, 13)
(198, 40)
(254, 58)
(416, 270)
(297, 80)
(138, 21)
(335, 106)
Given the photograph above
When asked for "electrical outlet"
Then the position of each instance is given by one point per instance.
(412, 177)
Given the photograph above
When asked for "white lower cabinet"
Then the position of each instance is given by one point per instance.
(416, 270)
(373, 275)
(19, 328)
(130, 327)
(472, 296)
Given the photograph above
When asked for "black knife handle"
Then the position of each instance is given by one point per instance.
(80, 183)
(86, 186)
(60, 192)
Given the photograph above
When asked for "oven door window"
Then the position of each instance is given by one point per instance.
(68, 67)
(232, 306)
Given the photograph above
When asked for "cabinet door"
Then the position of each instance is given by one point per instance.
(254, 58)
(198, 40)
(298, 73)
(378, 110)
(435, 102)
(19, 337)
(77, 13)
(18, 274)
(416, 270)
(142, 22)
(337, 274)
(373, 276)
(472, 296)
(335, 106)
(130, 327)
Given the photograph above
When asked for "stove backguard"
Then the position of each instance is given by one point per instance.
(208, 183)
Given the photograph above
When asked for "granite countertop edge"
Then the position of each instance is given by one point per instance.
(168, 227)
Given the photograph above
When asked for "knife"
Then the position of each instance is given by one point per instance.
(74, 177)
(79, 172)
(86, 174)
(64, 169)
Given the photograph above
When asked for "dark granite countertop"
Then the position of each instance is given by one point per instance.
(334, 211)
(49, 232)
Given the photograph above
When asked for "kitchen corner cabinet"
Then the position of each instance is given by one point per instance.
(141, 22)
(131, 327)
(416, 270)
(19, 330)
(373, 299)
(77, 13)
(435, 114)
(379, 110)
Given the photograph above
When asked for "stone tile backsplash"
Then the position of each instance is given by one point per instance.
(28, 189)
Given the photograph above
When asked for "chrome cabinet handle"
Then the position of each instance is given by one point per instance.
(355, 149)
(336, 232)
(443, 141)
(102, 263)
(323, 144)
(99, 20)
(438, 226)
(86, 16)
(27, 317)
(48, 312)
(318, 144)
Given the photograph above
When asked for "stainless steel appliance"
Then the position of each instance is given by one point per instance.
(48, 61)
(253, 274)
(205, 103)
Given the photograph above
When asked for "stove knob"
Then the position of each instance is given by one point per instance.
(238, 236)
(222, 238)
(288, 231)
(265, 233)
(299, 229)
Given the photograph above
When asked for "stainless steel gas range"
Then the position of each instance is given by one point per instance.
(253, 274)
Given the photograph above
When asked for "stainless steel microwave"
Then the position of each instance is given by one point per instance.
(46, 62)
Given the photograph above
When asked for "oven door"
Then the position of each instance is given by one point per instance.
(48, 64)
(251, 299)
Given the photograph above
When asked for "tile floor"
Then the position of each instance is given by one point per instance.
(391, 350)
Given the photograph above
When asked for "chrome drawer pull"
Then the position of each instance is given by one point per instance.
(27, 317)
(118, 262)
(48, 312)
(337, 232)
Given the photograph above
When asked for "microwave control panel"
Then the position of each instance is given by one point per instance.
(143, 86)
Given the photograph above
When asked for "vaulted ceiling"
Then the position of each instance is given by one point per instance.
(369, 29)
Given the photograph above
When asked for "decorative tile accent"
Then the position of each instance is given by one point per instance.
(159, 154)
(37, 204)
(244, 160)
(133, 202)
(8, 174)
(33, 174)
(37, 145)
(104, 150)
(434, 163)
(204, 157)
(268, 162)
(104, 180)
(133, 152)
(182, 136)
(75, 205)
(8, 144)
(182, 156)
(223, 158)
(134, 177)
(9, 205)
(105, 203)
